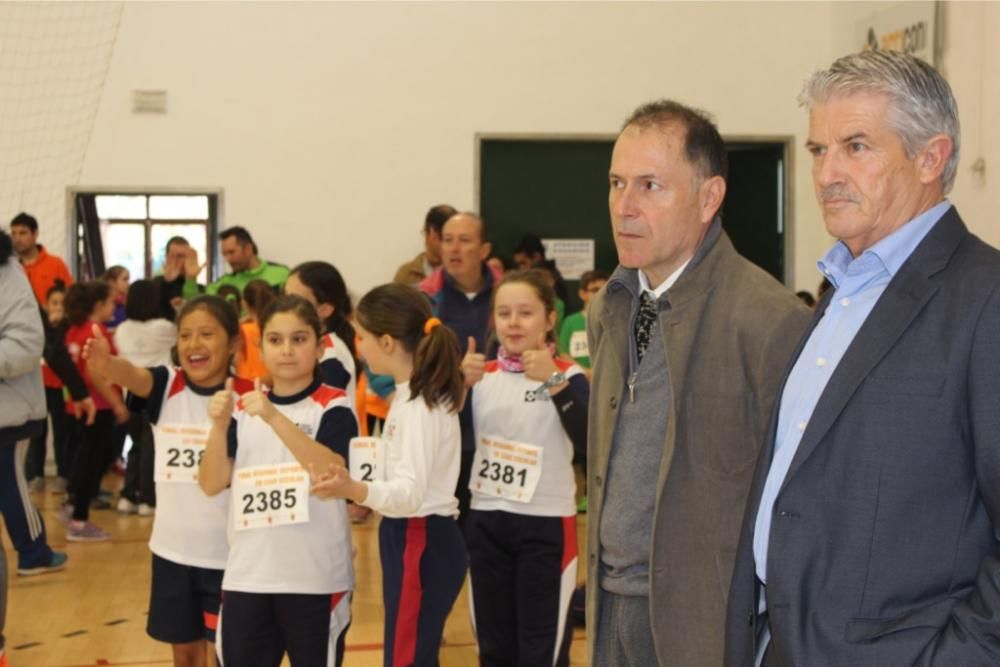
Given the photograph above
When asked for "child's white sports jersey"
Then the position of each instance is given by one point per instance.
(524, 458)
(336, 366)
(282, 538)
(423, 455)
(189, 527)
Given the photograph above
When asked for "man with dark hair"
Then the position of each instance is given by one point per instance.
(688, 341)
(872, 530)
(529, 252)
(240, 251)
(179, 260)
(22, 414)
(421, 266)
(43, 269)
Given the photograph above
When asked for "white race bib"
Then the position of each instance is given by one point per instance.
(367, 459)
(179, 448)
(505, 469)
(578, 345)
(270, 495)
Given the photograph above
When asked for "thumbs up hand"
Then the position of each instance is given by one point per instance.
(473, 365)
(220, 407)
(257, 404)
(97, 351)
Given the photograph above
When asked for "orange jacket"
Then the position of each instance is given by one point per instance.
(44, 271)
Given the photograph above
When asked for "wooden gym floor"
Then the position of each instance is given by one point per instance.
(94, 612)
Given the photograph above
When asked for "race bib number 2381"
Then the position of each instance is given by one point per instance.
(504, 469)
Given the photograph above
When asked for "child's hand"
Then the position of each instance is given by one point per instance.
(121, 413)
(97, 350)
(473, 365)
(220, 408)
(538, 363)
(331, 484)
(257, 404)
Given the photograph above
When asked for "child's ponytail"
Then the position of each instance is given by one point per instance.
(404, 314)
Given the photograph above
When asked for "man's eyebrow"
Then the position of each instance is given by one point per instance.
(854, 137)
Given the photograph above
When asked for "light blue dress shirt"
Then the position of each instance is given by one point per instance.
(859, 283)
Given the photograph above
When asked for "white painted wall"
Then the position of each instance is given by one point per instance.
(333, 126)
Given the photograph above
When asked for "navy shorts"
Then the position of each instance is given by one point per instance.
(183, 602)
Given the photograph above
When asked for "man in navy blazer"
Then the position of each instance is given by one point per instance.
(871, 531)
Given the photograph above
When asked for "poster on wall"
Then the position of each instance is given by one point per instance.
(573, 257)
(909, 27)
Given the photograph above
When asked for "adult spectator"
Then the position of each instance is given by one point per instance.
(421, 266)
(461, 292)
(43, 269)
(22, 415)
(871, 533)
(180, 262)
(688, 341)
(240, 252)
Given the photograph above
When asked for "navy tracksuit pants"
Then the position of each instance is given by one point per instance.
(24, 523)
(423, 568)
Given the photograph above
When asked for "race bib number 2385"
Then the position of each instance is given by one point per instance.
(270, 495)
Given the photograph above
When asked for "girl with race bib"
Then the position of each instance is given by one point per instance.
(530, 412)
(189, 529)
(420, 546)
(288, 580)
(321, 284)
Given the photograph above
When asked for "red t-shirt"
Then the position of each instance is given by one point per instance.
(76, 337)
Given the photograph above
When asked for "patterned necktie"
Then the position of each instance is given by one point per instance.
(644, 321)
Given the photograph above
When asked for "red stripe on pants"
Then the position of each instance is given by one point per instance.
(404, 647)
(211, 620)
(569, 541)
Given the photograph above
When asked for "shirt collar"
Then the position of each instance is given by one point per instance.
(659, 290)
(889, 254)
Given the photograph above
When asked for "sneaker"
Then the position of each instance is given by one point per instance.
(145, 509)
(100, 504)
(126, 506)
(104, 494)
(37, 485)
(65, 513)
(84, 531)
(58, 562)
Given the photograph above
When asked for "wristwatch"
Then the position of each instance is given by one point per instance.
(555, 379)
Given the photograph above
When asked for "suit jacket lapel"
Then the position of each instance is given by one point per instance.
(904, 298)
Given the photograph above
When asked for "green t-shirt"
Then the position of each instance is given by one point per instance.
(573, 339)
(274, 275)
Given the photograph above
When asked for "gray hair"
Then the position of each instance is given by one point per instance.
(921, 102)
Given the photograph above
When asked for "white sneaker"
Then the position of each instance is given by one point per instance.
(126, 506)
(145, 509)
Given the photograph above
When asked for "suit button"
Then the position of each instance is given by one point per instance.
(598, 480)
(614, 402)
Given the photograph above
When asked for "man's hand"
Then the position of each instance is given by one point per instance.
(473, 364)
(191, 266)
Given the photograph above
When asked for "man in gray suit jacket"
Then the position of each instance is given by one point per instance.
(688, 342)
(871, 535)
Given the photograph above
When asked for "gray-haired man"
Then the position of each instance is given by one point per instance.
(871, 532)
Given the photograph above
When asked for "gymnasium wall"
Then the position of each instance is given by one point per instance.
(333, 126)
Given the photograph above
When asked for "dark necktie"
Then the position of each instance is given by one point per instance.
(644, 322)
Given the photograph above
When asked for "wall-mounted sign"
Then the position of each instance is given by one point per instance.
(573, 257)
(909, 27)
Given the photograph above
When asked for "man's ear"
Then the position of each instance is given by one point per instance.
(711, 193)
(485, 250)
(933, 158)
